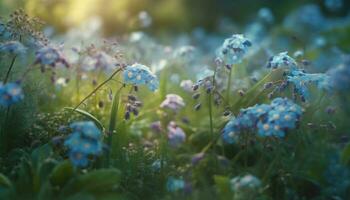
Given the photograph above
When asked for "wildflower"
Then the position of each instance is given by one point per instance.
(48, 55)
(174, 184)
(233, 49)
(245, 182)
(186, 85)
(84, 141)
(10, 94)
(138, 74)
(176, 135)
(282, 60)
(301, 80)
(173, 102)
(13, 47)
(156, 126)
(132, 106)
(267, 120)
(197, 158)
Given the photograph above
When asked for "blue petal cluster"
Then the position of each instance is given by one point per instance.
(174, 184)
(138, 74)
(10, 94)
(84, 141)
(233, 49)
(302, 80)
(48, 55)
(13, 47)
(267, 120)
(282, 60)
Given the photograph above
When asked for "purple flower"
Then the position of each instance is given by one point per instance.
(173, 102)
(50, 56)
(176, 136)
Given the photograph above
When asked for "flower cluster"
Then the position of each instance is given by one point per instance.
(132, 106)
(233, 49)
(174, 184)
(282, 60)
(176, 136)
(138, 74)
(50, 56)
(296, 77)
(10, 94)
(173, 102)
(268, 120)
(20, 26)
(13, 47)
(84, 141)
(301, 80)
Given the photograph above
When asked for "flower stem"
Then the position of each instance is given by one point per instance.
(98, 87)
(229, 85)
(10, 69)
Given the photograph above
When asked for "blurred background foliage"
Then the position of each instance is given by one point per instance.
(119, 16)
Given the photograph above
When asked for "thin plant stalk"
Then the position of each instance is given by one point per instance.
(9, 69)
(98, 87)
(229, 85)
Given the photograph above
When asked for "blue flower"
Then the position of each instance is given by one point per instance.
(282, 60)
(13, 47)
(174, 184)
(270, 129)
(233, 49)
(267, 120)
(84, 141)
(87, 128)
(10, 94)
(78, 159)
(50, 56)
(230, 133)
(138, 74)
(302, 80)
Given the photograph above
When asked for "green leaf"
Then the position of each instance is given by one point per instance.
(4, 181)
(88, 115)
(222, 184)
(94, 182)
(61, 173)
(345, 155)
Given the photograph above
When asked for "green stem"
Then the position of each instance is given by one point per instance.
(10, 69)
(112, 123)
(210, 109)
(98, 87)
(229, 85)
